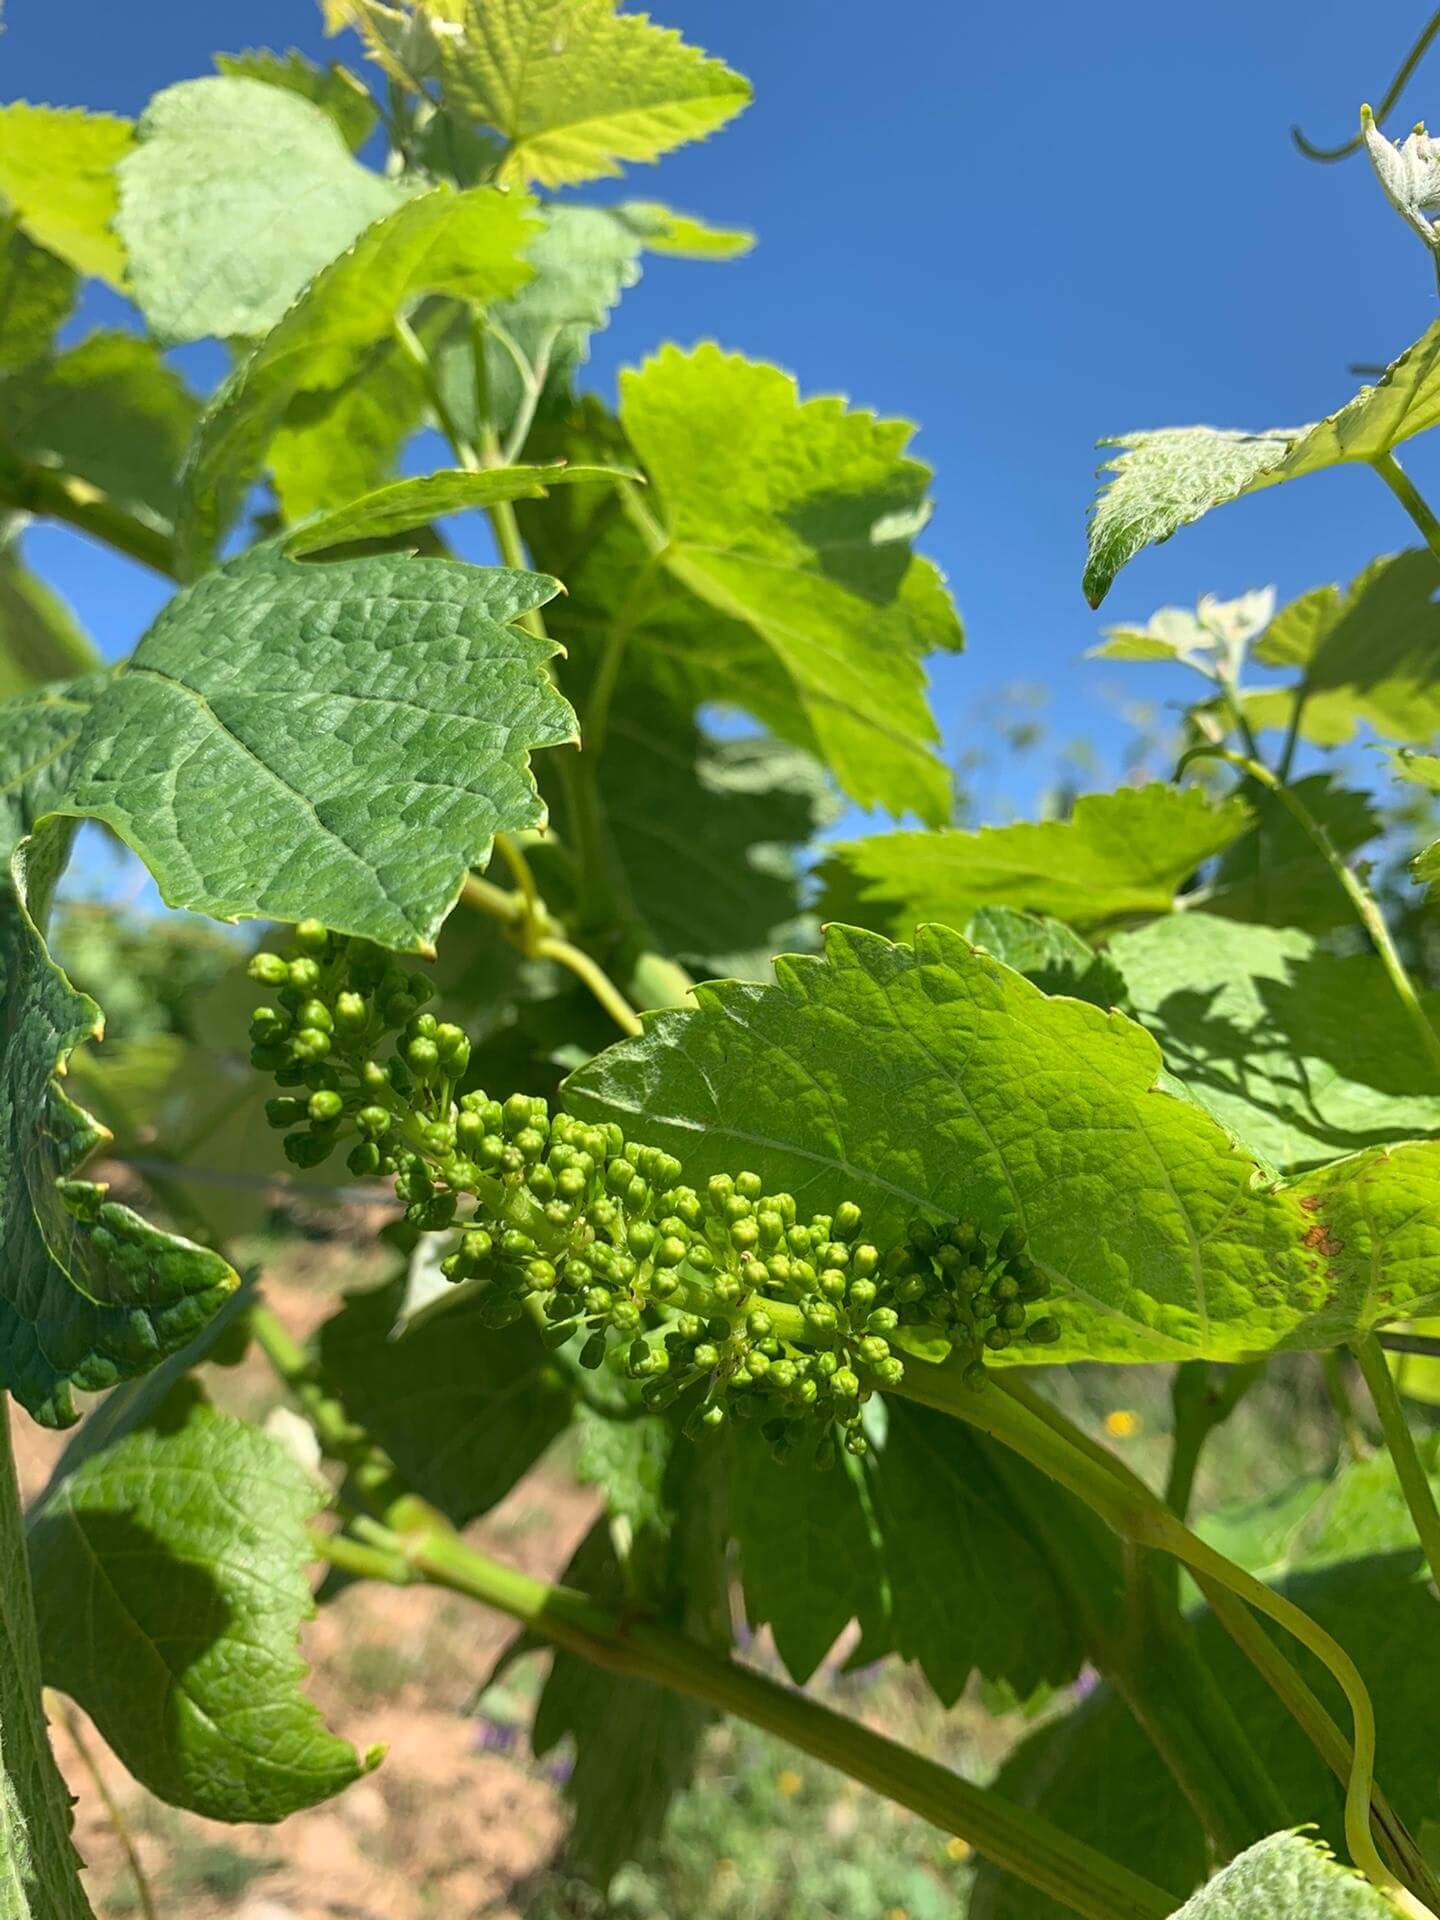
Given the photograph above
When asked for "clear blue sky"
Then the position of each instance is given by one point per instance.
(1022, 227)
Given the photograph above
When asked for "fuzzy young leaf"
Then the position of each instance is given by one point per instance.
(1118, 854)
(933, 1079)
(235, 194)
(90, 1293)
(1162, 481)
(334, 89)
(468, 245)
(57, 170)
(170, 1576)
(463, 1409)
(37, 291)
(111, 412)
(405, 504)
(371, 720)
(1302, 1054)
(1287, 1877)
(576, 87)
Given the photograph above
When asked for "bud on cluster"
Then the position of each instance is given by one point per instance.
(726, 1296)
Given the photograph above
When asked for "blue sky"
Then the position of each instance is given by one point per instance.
(1021, 227)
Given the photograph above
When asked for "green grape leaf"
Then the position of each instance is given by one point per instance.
(90, 1293)
(332, 446)
(941, 1505)
(170, 1576)
(405, 504)
(112, 412)
(334, 89)
(39, 1867)
(372, 720)
(780, 573)
(1118, 854)
(933, 1079)
(1303, 1055)
(1162, 481)
(401, 38)
(468, 245)
(40, 638)
(235, 194)
(37, 291)
(1051, 954)
(463, 1409)
(1287, 1877)
(1368, 656)
(57, 170)
(811, 1556)
(1420, 770)
(1276, 875)
(576, 87)
(37, 733)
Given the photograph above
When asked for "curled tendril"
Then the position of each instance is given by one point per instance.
(1392, 94)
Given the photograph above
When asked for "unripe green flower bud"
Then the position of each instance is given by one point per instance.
(592, 1353)
(1042, 1333)
(758, 1364)
(351, 1012)
(670, 1252)
(890, 1372)
(311, 1043)
(1006, 1287)
(856, 1443)
(477, 1246)
(846, 1223)
(883, 1320)
(326, 1106)
(306, 1149)
(284, 1111)
(364, 1159)
(516, 1114)
(718, 1189)
(707, 1356)
(516, 1245)
(269, 969)
(423, 1056)
(845, 1384)
(833, 1284)
(922, 1236)
(744, 1236)
(873, 1349)
(1011, 1241)
(759, 1325)
(975, 1377)
(440, 1137)
(311, 936)
(861, 1295)
(749, 1186)
(303, 974)
(997, 1339)
(1012, 1315)
(820, 1316)
(541, 1182)
(373, 1122)
(540, 1275)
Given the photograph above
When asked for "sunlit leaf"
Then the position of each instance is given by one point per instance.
(404, 504)
(334, 88)
(57, 170)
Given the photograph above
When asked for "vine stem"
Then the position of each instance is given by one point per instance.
(1398, 1438)
(531, 927)
(1366, 907)
(1009, 1414)
(1392, 95)
(26, 487)
(1409, 496)
(1013, 1838)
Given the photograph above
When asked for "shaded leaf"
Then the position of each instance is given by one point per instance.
(90, 1293)
(1302, 1054)
(1119, 854)
(37, 734)
(37, 291)
(57, 170)
(1276, 875)
(575, 86)
(1369, 655)
(372, 720)
(1161, 481)
(1051, 954)
(334, 89)
(934, 1079)
(235, 194)
(171, 1584)
(468, 245)
(112, 412)
(463, 1409)
(404, 504)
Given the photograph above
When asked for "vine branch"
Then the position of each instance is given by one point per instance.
(1409, 1469)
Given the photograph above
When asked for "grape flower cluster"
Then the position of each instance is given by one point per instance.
(724, 1294)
